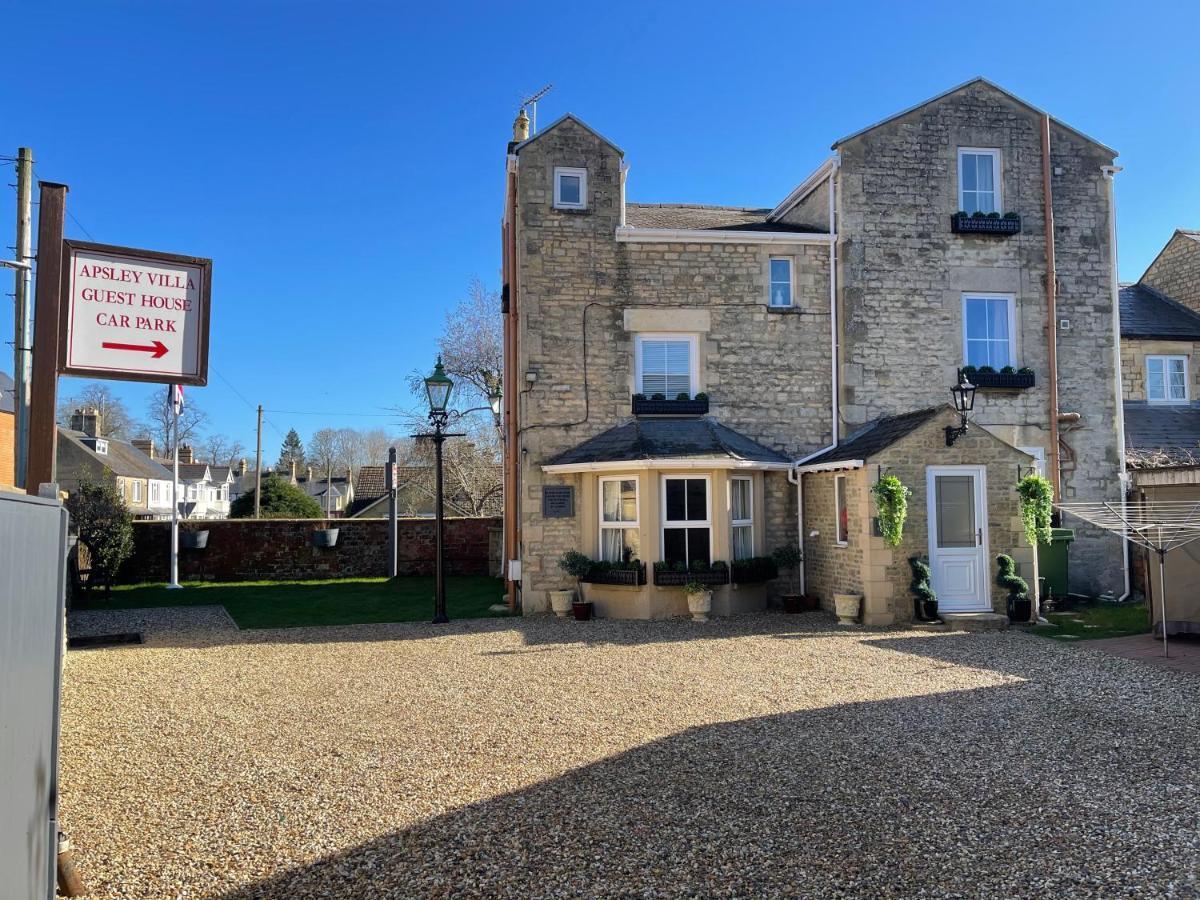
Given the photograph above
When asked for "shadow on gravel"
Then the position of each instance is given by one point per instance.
(967, 793)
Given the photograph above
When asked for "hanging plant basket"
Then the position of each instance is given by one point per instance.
(1037, 506)
(193, 540)
(325, 537)
(891, 497)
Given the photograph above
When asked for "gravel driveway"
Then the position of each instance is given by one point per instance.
(758, 756)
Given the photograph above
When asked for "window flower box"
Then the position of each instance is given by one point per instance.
(961, 223)
(1013, 381)
(602, 574)
(647, 406)
(671, 578)
(754, 570)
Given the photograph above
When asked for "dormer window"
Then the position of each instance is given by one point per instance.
(570, 188)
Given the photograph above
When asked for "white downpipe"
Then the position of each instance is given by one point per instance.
(794, 475)
(1109, 172)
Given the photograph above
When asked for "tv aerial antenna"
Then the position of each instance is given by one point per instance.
(532, 101)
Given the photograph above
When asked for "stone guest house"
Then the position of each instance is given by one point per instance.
(692, 383)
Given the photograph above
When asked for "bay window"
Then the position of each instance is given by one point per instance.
(619, 535)
(687, 519)
(741, 506)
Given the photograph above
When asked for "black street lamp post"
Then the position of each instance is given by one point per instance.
(438, 387)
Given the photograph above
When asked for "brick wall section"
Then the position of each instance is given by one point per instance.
(766, 372)
(1176, 271)
(7, 448)
(902, 273)
(263, 549)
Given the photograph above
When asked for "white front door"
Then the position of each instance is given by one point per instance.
(958, 537)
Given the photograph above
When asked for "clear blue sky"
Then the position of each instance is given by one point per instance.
(343, 164)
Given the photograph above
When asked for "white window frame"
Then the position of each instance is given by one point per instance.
(686, 523)
(994, 153)
(1166, 359)
(741, 523)
(791, 264)
(693, 359)
(136, 491)
(559, 203)
(838, 504)
(1012, 322)
(620, 526)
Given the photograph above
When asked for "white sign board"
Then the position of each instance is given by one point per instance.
(135, 315)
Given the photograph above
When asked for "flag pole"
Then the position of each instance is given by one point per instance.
(174, 488)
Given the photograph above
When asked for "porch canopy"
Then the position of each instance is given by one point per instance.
(1158, 525)
(667, 443)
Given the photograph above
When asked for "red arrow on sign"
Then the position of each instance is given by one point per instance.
(158, 348)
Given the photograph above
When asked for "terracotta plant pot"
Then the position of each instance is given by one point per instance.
(700, 605)
(582, 610)
(560, 602)
(847, 606)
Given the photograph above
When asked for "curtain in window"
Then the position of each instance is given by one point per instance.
(618, 503)
(1166, 379)
(988, 340)
(739, 510)
(666, 368)
(978, 189)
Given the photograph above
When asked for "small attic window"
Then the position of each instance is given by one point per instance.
(101, 446)
(570, 188)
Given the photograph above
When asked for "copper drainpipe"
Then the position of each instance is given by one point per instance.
(1051, 310)
(511, 395)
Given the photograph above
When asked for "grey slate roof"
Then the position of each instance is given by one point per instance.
(7, 385)
(876, 436)
(122, 458)
(1169, 432)
(1147, 313)
(656, 439)
(193, 471)
(707, 218)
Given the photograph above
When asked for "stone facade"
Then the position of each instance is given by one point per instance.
(1133, 364)
(259, 549)
(902, 275)
(582, 293)
(866, 565)
(1176, 270)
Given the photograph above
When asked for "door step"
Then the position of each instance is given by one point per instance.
(975, 621)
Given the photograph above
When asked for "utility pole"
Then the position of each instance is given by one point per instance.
(258, 467)
(23, 322)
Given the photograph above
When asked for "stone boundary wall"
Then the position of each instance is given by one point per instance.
(270, 549)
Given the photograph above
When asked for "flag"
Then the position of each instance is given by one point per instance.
(175, 397)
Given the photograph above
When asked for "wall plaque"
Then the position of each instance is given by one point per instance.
(558, 501)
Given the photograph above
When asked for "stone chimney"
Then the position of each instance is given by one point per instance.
(146, 445)
(87, 420)
(521, 127)
(186, 454)
(241, 467)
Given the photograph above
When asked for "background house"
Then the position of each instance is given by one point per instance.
(84, 453)
(415, 493)
(8, 432)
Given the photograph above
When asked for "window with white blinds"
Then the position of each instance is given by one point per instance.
(666, 365)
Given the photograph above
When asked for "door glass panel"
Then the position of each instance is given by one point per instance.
(955, 510)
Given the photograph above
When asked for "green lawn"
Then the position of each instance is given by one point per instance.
(350, 601)
(1098, 620)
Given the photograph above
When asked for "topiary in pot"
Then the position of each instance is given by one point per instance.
(682, 395)
(924, 599)
(578, 566)
(1020, 607)
(788, 558)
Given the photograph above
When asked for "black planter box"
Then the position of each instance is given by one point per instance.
(670, 407)
(970, 225)
(679, 579)
(1009, 380)
(756, 573)
(617, 576)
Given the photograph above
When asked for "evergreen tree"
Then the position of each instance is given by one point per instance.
(280, 500)
(292, 451)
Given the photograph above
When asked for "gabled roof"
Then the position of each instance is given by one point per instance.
(122, 458)
(966, 84)
(646, 440)
(1187, 233)
(876, 436)
(569, 117)
(194, 471)
(803, 189)
(697, 217)
(1150, 314)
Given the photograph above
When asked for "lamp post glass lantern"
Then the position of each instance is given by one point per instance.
(964, 401)
(438, 387)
